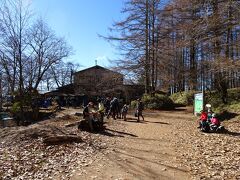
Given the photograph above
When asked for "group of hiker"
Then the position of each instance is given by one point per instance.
(209, 121)
(109, 107)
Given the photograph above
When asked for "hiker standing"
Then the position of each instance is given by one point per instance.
(107, 105)
(101, 109)
(139, 109)
(124, 112)
(113, 108)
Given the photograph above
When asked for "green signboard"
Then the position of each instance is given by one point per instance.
(198, 103)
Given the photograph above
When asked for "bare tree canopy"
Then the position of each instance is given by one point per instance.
(29, 49)
(47, 51)
(30, 54)
(181, 45)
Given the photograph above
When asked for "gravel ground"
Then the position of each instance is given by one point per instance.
(24, 155)
(166, 146)
(210, 155)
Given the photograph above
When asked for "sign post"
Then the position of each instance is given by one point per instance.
(198, 103)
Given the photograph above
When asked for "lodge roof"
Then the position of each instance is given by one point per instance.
(97, 67)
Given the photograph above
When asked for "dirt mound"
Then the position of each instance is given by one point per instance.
(46, 149)
(51, 131)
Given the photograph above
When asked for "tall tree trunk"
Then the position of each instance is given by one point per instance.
(220, 82)
(193, 71)
(147, 47)
(153, 43)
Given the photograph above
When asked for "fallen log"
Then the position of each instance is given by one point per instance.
(78, 114)
(73, 124)
(60, 139)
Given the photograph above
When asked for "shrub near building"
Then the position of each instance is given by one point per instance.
(183, 98)
(233, 101)
(213, 98)
(155, 102)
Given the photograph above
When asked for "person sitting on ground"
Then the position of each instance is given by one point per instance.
(89, 114)
(124, 112)
(139, 109)
(209, 115)
(215, 121)
(203, 119)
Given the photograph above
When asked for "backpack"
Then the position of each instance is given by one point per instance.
(85, 111)
(124, 109)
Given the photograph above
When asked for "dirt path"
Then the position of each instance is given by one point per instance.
(144, 150)
(165, 146)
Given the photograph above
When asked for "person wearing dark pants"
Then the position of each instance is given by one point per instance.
(139, 109)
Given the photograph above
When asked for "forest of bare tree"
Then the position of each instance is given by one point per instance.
(175, 46)
(180, 45)
(32, 56)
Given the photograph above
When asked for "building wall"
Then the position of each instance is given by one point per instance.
(95, 80)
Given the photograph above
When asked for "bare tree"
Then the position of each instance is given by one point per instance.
(62, 73)
(136, 38)
(28, 50)
(47, 51)
(14, 21)
(185, 45)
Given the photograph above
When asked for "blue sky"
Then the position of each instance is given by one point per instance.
(80, 22)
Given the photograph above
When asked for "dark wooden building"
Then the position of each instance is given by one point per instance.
(96, 80)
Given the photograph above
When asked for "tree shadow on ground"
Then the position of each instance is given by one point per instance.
(225, 116)
(102, 132)
(134, 120)
(156, 112)
(112, 133)
(148, 160)
(231, 133)
(147, 139)
(144, 151)
(106, 133)
(157, 122)
(175, 109)
(137, 168)
(227, 132)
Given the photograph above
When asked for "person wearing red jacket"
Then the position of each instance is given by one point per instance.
(203, 118)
